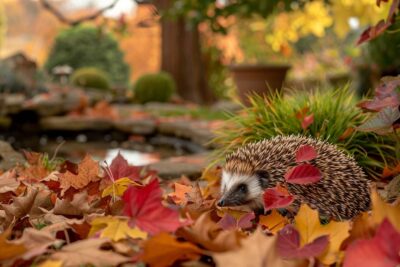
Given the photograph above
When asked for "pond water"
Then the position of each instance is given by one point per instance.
(137, 152)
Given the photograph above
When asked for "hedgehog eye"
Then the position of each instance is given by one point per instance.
(242, 188)
(263, 174)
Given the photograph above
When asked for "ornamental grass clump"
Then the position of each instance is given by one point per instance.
(330, 115)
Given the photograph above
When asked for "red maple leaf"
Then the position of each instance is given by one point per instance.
(144, 206)
(228, 222)
(305, 153)
(288, 244)
(303, 174)
(120, 168)
(277, 197)
(380, 251)
(307, 121)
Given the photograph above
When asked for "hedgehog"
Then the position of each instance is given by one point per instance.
(342, 193)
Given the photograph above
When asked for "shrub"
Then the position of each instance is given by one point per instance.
(384, 50)
(90, 78)
(88, 47)
(10, 81)
(334, 111)
(157, 87)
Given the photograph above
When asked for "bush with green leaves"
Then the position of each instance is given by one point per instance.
(384, 50)
(88, 47)
(10, 81)
(335, 114)
(157, 87)
(90, 78)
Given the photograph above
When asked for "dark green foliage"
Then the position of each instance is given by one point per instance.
(157, 87)
(90, 78)
(10, 81)
(89, 47)
(334, 112)
(384, 50)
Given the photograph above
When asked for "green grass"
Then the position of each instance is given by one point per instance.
(199, 113)
(334, 112)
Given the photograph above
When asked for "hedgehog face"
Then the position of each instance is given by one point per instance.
(241, 189)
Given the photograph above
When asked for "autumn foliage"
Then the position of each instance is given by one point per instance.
(66, 214)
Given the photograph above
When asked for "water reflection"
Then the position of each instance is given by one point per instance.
(133, 157)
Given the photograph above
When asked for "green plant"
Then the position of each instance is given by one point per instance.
(157, 87)
(384, 50)
(88, 47)
(11, 81)
(335, 114)
(91, 78)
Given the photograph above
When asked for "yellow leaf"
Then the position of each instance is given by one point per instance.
(163, 250)
(115, 229)
(308, 224)
(274, 221)
(51, 263)
(118, 187)
(382, 210)
(8, 249)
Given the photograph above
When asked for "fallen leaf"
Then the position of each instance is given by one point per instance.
(257, 250)
(8, 182)
(88, 171)
(35, 241)
(88, 251)
(303, 174)
(144, 206)
(277, 197)
(51, 263)
(8, 249)
(163, 250)
(307, 121)
(179, 196)
(118, 187)
(380, 251)
(78, 206)
(305, 153)
(210, 235)
(308, 224)
(382, 122)
(273, 222)
(27, 204)
(229, 222)
(115, 229)
(120, 168)
(289, 244)
(382, 210)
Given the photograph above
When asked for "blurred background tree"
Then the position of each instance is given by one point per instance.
(84, 46)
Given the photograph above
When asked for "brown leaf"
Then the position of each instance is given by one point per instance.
(8, 182)
(88, 252)
(210, 235)
(258, 250)
(8, 249)
(78, 206)
(88, 171)
(163, 250)
(35, 241)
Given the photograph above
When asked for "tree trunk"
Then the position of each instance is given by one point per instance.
(181, 57)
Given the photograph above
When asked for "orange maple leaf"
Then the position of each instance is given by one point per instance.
(88, 171)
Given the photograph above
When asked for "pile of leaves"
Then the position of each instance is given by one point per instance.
(90, 214)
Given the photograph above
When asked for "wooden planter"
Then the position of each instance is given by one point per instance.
(258, 79)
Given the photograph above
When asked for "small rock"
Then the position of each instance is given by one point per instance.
(9, 157)
(190, 166)
(141, 127)
(227, 106)
(69, 123)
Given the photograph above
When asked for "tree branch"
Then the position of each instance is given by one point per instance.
(74, 22)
